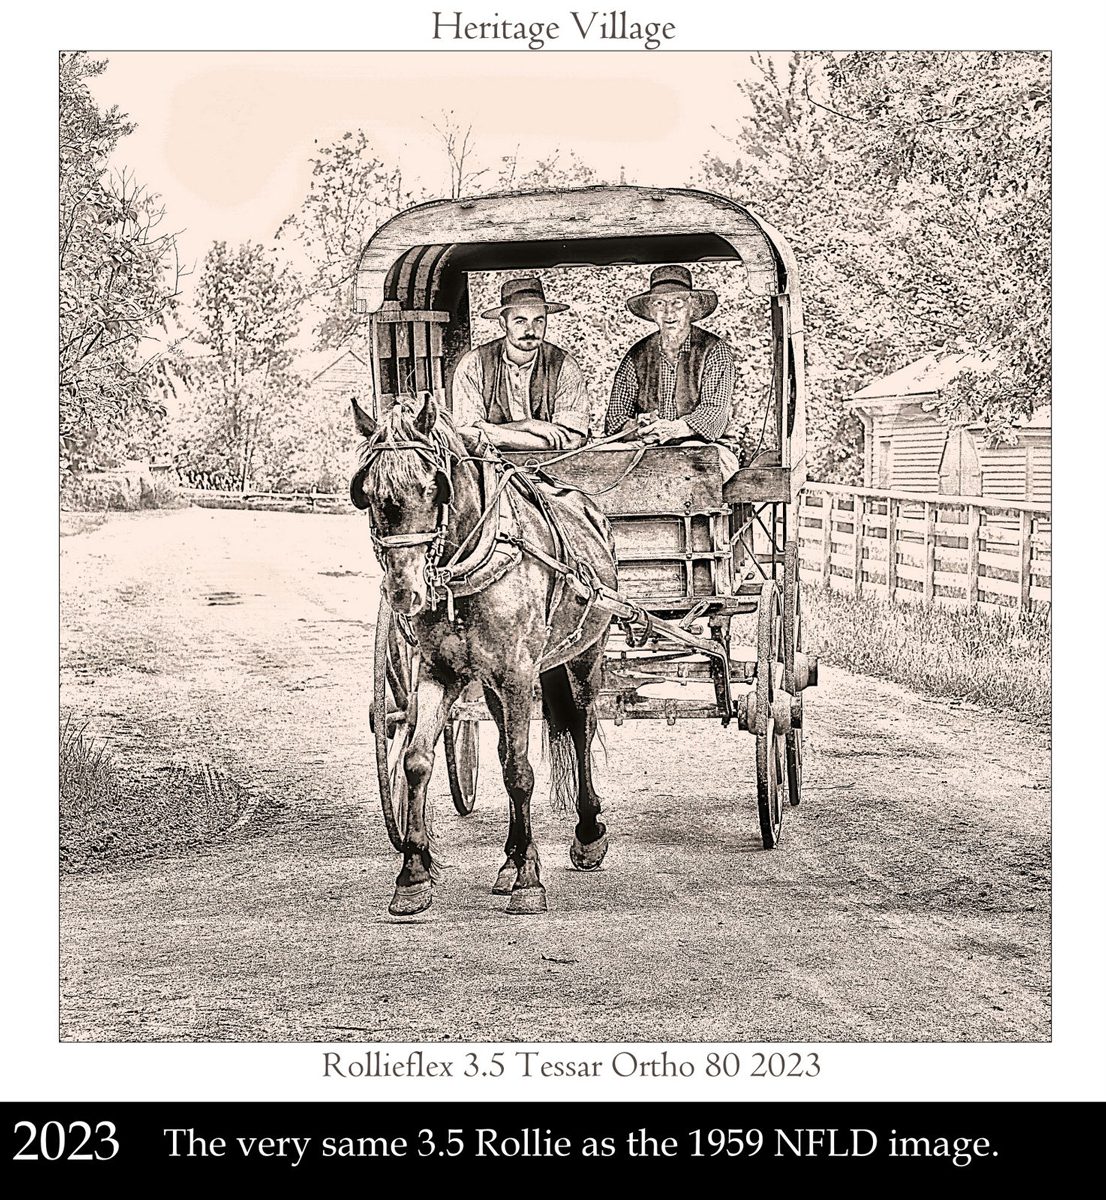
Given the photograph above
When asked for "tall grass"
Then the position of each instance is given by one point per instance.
(107, 812)
(995, 659)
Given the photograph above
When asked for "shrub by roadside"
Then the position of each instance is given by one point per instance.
(998, 660)
(108, 814)
(117, 491)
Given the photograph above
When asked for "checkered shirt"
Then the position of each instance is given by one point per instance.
(708, 419)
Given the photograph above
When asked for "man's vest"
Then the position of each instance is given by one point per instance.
(646, 357)
(543, 381)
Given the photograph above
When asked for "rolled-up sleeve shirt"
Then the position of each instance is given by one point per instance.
(708, 419)
(570, 401)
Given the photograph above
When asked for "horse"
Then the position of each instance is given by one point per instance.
(495, 577)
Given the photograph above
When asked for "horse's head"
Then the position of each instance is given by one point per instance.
(404, 482)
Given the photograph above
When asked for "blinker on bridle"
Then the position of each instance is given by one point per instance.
(434, 538)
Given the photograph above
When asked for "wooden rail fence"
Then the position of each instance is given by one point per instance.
(926, 549)
(955, 550)
(269, 501)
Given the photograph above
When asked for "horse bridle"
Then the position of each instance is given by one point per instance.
(436, 452)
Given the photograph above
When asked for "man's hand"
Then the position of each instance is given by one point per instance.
(665, 431)
(530, 435)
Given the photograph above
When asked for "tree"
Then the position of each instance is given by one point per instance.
(242, 392)
(962, 141)
(459, 149)
(118, 278)
(552, 172)
(914, 189)
(351, 193)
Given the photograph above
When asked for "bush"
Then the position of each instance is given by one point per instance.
(117, 491)
(107, 814)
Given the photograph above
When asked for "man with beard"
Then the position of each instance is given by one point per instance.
(523, 392)
(678, 382)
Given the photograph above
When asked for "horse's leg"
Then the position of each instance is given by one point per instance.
(435, 699)
(505, 880)
(527, 895)
(590, 842)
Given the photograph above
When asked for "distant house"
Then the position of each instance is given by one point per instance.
(341, 374)
(910, 447)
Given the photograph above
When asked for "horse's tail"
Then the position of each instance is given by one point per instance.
(560, 711)
(560, 752)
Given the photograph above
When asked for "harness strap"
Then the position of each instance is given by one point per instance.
(459, 567)
(395, 540)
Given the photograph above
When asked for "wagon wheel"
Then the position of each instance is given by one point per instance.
(392, 719)
(770, 744)
(462, 758)
(792, 644)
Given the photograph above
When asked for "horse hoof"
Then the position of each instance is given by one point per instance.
(588, 857)
(411, 900)
(505, 881)
(527, 901)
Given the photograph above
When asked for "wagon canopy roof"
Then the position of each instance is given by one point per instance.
(411, 258)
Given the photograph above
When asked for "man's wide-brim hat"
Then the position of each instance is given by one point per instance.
(666, 280)
(517, 292)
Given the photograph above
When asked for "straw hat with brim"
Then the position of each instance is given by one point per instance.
(666, 280)
(517, 292)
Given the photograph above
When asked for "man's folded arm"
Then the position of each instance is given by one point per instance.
(709, 418)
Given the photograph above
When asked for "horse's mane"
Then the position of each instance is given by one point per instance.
(396, 474)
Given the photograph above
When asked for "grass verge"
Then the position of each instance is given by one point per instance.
(998, 660)
(108, 814)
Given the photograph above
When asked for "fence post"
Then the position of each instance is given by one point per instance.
(928, 554)
(859, 504)
(1024, 574)
(892, 547)
(973, 555)
(827, 536)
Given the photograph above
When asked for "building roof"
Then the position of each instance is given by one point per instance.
(926, 377)
(313, 363)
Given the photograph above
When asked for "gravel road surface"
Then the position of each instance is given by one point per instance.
(908, 900)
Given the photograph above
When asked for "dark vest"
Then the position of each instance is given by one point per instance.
(646, 357)
(543, 381)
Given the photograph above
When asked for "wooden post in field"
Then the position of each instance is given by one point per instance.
(859, 503)
(892, 551)
(1024, 575)
(972, 592)
(928, 554)
(827, 536)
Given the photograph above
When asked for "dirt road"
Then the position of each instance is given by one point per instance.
(908, 900)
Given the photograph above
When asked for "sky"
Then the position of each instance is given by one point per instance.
(225, 138)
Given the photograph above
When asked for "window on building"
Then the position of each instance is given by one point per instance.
(959, 471)
(883, 464)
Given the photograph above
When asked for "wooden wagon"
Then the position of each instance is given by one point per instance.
(708, 621)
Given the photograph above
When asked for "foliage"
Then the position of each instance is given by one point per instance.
(242, 392)
(122, 490)
(118, 277)
(457, 143)
(914, 187)
(552, 172)
(108, 813)
(351, 193)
